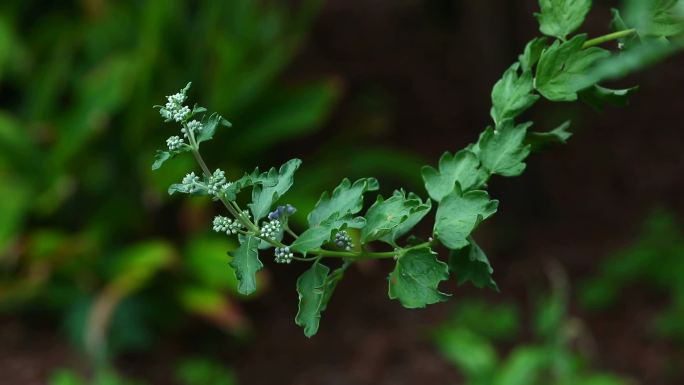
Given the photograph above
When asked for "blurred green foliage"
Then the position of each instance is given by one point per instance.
(470, 339)
(655, 260)
(190, 371)
(84, 231)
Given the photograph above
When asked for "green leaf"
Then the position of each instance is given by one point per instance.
(315, 236)
(630, 61)
(618, 24)
(503, 151)
(385, 216)
(264, 196)
(246, 264)
(209, 126)
(198, 190)
(315, 287)
(415, 279)
(463, 167)
(524, 366)
(311, 289)
(160, 157)
(512, 95)
(656, 18)
(531, 54)
(136, 265)
(471, 353)
(562, 67)
(559, 18)
(459, 214)
(560, 135)
(470, 264)
(415, 216)
(345, 199)
(597, 97)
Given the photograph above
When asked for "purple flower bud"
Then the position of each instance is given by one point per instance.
(290, 209)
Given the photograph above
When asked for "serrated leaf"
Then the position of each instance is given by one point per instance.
(459, 214)
(463, 167)
(503, 151)
(198, 190)
(314, 237)
(562, 68)
(470, 264)
(530, 56)
(311, 290)
(512, 95)
(160, 157)
(538, 140)
(209, 126)
(385, 216)
(411, 221)
(246, 264)
(264, 196)
(559, 18)
(415, 279)
(345, 199)
(598, 97)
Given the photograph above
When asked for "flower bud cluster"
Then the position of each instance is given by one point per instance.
(193, 126)
(174, 108)
(270, 229)
(282, 211)
(174, 143)
(226, 225)
(217, 182)
(343, 240)
(283, 255)
(191, 182)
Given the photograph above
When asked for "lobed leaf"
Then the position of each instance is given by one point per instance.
(559, 18)
(415, 279)
(503, 151)
(562, 67)
(209, 126)
(530, 56)
(264, 195)
(385, 217)
(459, 214)
(560, 135)
(512, 94)
(246, 264)
(597, 97)
(314, 237)
(416, 215)
(312, 293)
(345, 199)
(470, 264)
(462, 168)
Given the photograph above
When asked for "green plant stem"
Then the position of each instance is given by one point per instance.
(365, 254)
(609, 37)
(235, 210)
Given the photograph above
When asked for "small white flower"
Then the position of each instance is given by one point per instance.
(270, 229)
(191, 181)
(174, 143)
(177, 98)
(216, 182)
(180, 114)
(283, 255)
